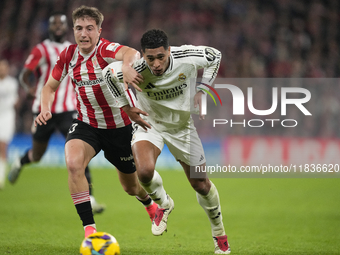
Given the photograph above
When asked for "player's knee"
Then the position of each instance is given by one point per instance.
(145, 173)
(201, 186)
(36, 157)
(74, 167)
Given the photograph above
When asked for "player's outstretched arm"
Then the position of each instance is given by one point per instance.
(134, 115)
(130, 75)
(47, 98)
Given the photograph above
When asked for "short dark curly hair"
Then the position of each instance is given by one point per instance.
(153, 39)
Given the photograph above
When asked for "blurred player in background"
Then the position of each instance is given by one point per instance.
(8, 100)
(165, 96)
(100, 125)
(41, 62)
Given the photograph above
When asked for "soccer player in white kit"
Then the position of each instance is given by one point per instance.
(41, 62)
(8, 100)
(165, 96)
(99, 125)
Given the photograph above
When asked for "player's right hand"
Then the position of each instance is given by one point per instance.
(134, 115)
(131, 77)
(42, 118)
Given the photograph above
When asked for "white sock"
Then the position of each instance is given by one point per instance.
(92, 200)
(156, 191)
(91, 225)
(211, 205)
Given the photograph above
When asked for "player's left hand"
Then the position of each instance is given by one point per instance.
(134, 114)
(198, 102)
(42, 118)
(131, 77)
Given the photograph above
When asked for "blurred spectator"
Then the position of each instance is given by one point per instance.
(8, 99)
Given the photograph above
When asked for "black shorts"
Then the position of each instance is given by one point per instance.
(116, 143)
(59, 121)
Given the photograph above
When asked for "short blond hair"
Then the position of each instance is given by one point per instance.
(86, 11)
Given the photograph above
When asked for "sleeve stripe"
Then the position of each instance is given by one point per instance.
(113, 88)
(188, 55)
(140, 68)
(120, 75)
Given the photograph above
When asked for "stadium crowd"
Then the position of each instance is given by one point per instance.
(258, 39)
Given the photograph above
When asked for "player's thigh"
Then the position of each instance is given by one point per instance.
(117, 148)
(78, 154)
(146, 147)
(185, 145)
(82, 144)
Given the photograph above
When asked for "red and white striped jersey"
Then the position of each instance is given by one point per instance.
(95, 104)
(42, 60)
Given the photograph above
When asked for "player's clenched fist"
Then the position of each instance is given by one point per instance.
(42, 118)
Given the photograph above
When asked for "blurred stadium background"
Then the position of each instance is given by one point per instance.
(258, 39)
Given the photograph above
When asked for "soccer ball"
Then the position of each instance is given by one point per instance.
(100, 243)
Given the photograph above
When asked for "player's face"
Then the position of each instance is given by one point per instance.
(58, 27)
(86, 34)
(157, 59)
(4, 68)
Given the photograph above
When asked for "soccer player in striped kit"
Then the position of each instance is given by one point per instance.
(99, 125)
(165, 94)
(41, 62)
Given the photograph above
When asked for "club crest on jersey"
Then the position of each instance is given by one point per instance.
(95, 61)
(181, 77)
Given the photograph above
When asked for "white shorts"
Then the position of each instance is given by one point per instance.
(7, 126)
(184, 144)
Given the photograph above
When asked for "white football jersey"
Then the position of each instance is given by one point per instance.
(168, 99)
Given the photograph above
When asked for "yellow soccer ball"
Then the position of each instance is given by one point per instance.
(100, 243)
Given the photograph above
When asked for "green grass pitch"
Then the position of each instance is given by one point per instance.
(261, 216)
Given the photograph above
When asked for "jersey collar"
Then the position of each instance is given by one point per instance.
(171, 64)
